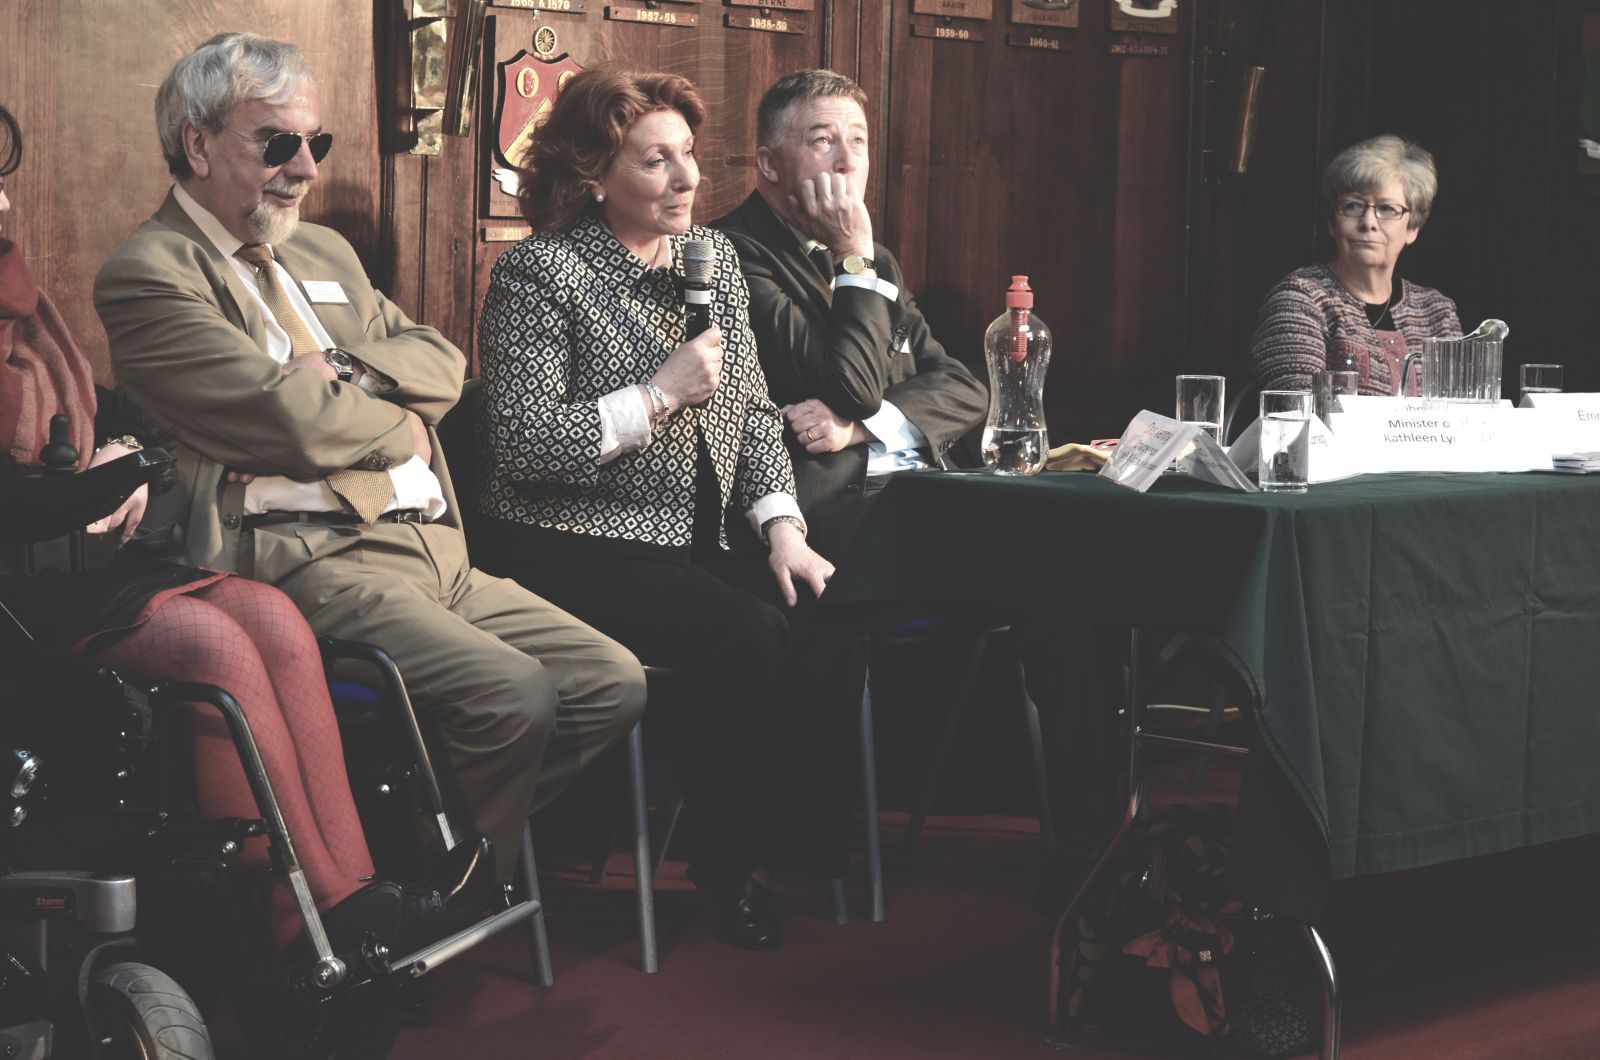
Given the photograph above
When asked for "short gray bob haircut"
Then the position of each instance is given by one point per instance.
(794, 88)
(1364, 167)
(216, 77)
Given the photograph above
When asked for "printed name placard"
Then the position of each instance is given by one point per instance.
(1152, 442)
(1442, 438)
(1573, 420)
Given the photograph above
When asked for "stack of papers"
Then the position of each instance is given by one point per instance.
(1576, 463)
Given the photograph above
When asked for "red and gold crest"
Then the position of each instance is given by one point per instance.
(528, 86)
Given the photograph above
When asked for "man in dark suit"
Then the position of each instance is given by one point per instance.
(303, 403)
(866, 389)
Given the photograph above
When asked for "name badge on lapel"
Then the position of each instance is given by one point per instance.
(326, 291)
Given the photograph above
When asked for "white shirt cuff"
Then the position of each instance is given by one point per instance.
(871, 283)
(374, 381)
(416, 486)
(770, 507)
(892, 430)
(624, 423)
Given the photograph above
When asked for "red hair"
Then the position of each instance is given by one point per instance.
(575, 143)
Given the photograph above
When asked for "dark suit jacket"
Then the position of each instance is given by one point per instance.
(852, 349)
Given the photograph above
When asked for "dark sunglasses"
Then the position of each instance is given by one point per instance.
(280, 147)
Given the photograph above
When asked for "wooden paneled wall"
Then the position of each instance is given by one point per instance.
(81, 78)
(1099, 174)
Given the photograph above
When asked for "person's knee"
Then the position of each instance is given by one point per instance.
(758, 639)
(516, 709)
(627, 688)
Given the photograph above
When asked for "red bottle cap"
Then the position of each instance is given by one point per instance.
(1019, 295)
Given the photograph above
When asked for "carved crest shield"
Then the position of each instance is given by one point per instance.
(527, 87)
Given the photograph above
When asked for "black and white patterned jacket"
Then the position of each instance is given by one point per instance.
(572, 316)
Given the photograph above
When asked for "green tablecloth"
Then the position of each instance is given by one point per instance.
(1424, 650)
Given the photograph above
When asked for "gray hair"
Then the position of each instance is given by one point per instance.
(1364, 167)
(216, 77)
(794, 88)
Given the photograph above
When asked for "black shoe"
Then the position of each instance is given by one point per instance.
(744, 914)
(466, 870)
(376, 910)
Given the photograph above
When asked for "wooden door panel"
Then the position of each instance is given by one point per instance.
(1065, 165)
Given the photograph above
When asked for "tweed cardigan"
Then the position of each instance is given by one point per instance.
(571, 316)
(1309, 313)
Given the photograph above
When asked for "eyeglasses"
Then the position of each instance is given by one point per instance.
(1383, 211)
(278, 148)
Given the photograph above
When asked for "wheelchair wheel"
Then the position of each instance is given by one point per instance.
(140, 1012)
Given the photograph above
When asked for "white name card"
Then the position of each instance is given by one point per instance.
(1448, 438)
(1152, 442)
(1573, 419)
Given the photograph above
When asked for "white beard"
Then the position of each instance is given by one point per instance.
(272, 223)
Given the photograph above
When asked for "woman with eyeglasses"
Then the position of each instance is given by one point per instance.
(1354, 314)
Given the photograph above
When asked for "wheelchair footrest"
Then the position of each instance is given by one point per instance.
(430, 957)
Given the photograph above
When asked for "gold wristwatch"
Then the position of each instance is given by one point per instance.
(853, 265)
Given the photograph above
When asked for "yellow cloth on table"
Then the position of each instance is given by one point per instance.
(1075, 456)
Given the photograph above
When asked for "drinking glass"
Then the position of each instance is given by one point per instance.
(1200, 402)
(1326, 390)
(1541, 379)
(1285, 440)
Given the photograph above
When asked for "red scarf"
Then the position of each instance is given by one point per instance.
(42, 371)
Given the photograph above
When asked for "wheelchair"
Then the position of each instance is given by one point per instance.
(121, 955)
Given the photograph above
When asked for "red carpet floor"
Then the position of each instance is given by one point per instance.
(958, 970)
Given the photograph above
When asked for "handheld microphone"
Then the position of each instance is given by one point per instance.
(699, 263)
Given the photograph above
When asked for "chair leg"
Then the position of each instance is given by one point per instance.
(952, 719)
(1331, 1002)
(600, 860)
(643, 873)
(841, 908)
(667, 830)
(1041, 784)
(1197, 772)
(538, 940)
(869, 804)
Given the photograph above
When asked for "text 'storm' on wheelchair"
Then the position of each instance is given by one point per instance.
(121, 955)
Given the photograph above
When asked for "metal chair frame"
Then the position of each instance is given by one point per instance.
(643, 868)
(1138, 741)
(953, 713)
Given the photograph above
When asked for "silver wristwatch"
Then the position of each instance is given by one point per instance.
(342, 363)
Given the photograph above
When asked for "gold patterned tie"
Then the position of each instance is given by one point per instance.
(366, 492)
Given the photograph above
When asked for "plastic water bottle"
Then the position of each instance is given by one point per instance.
(1017, 348)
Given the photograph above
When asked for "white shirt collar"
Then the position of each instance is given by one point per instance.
(226, 242)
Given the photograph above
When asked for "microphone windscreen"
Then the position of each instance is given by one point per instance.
(699, 261)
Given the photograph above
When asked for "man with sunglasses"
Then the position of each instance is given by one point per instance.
(303, 402)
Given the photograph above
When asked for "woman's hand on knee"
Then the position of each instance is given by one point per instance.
(791, 560)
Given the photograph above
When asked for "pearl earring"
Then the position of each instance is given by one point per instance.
(599, 196)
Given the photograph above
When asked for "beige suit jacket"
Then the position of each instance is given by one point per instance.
(189, 345)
